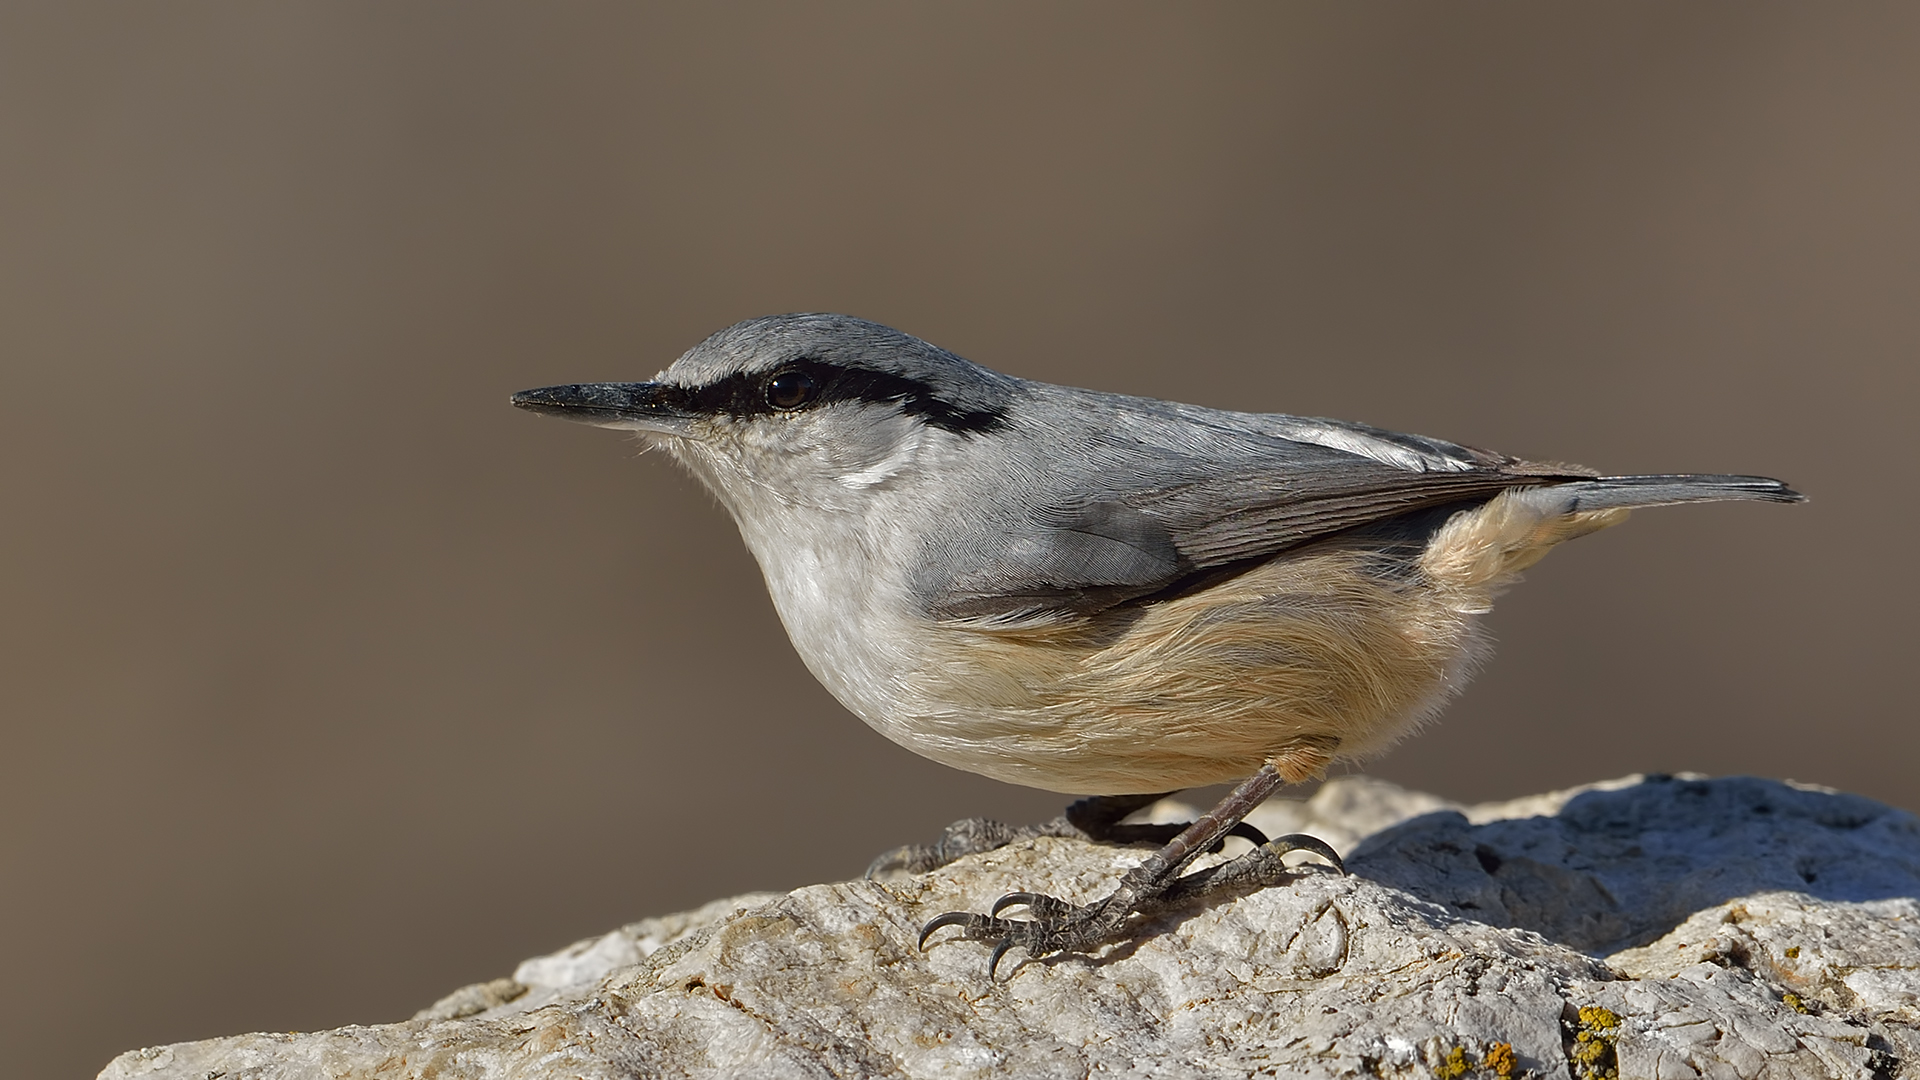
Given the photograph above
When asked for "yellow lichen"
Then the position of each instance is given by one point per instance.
(1595, 1017)
(1453, 1066)
(1592, 1053)
(1456, 1064)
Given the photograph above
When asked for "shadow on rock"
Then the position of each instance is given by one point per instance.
(1615, 869)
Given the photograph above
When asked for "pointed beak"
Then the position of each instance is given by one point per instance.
(625, 406)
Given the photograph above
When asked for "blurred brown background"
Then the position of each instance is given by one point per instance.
(332, 683)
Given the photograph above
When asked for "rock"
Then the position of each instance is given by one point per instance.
(1651, 927)
(545, 979)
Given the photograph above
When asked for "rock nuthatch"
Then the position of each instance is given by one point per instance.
(1106, 595)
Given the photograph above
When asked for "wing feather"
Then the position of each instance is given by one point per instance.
(1169, 494)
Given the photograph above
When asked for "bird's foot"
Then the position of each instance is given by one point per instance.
(1097, 818)
(1257, 869)
(966, 837)
(1057, 926)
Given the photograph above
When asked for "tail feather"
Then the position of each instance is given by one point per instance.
(1608, 492)
(1480, 550)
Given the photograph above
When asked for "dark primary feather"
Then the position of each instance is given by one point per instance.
(1610, 491)
(1240, 518)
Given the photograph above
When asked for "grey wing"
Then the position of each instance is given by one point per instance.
(1038, 561)
(1155, 514)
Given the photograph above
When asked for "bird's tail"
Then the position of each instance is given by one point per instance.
(1627, 492)
(1480, 550)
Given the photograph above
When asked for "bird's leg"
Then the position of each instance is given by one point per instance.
(1097, 817)
(1155, 884)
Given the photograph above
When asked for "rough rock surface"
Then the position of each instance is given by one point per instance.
(1650, 927)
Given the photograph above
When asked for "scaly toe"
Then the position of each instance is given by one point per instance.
(973, 926)
(1040, 905)
(912, 858)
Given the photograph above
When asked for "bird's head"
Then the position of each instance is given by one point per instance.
(808, 410)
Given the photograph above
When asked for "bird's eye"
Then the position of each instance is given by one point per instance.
(790, 390)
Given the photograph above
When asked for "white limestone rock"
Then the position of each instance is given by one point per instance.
(1652, 927)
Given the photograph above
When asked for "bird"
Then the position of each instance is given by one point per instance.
(1105, 595)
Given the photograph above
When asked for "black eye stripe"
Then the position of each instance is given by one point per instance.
(751, 394)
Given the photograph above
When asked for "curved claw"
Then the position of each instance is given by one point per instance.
(1000, 950)
(1247, 832)
(888, 860)
(1303, 842)
(1040, 904)
(965, 919)
(1014, 899)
